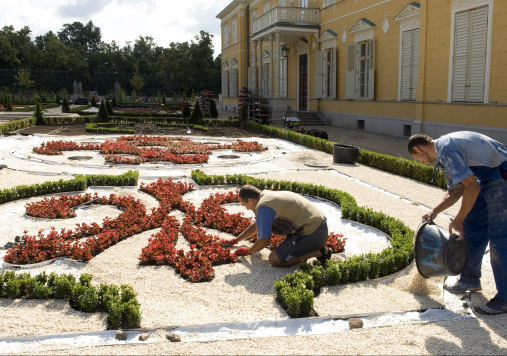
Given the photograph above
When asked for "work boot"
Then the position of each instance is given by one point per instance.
(493, 307)
(461, 287)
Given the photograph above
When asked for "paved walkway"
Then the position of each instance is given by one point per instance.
(394, 146)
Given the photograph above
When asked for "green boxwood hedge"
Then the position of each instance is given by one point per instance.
(120, 303)
(292, 297)
(397, 165)
(129, 178)
(102, 127)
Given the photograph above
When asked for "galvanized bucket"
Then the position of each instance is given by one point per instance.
(437, 253)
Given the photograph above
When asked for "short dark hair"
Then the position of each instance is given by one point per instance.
(418, 140)
(249, 192)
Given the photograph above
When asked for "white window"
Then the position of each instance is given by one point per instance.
(265, 6)
(328, 3)
(303, 3)
(226, 35)
(470, 52)
(409, 64)
(325, 73)
(225, 83)
(234, 30)
(283, 3)
(283, 77)
(360, 70)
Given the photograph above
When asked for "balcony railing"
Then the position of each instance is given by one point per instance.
(287, 15)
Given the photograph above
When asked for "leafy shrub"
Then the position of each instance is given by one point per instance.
(89, 300)
(127, 293)
(13, 288)
(197, 115)
(85, 279)
(77, 292)
(63, 286)
(102, 115)
(65, 106)
(132, 312)
(93, 102)
(108, 107)
(115, 312)
(57, 100)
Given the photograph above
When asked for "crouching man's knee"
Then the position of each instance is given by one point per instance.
(274, 260)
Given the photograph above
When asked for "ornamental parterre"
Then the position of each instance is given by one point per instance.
(178, 150)
(195, 265)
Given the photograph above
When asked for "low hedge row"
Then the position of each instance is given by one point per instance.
(17, 124)
(192, 126)
(397, 165)
(81, 182)
(292, 297)
(33, 107)
(120, 303)
(69, 120)
(80, 108)
(219, 122)
(103, 129)
(141, 115)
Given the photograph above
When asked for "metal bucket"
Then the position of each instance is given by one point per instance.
(437, 253)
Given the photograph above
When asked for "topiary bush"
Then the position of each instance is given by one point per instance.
(102, 115)
(65, 106)
(8, 105)
(186, 112)
(39, 115)
(213, 109)
(196, 116)
(108, 107)
(93, 102)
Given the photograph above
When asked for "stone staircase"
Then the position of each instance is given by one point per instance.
(309, 118)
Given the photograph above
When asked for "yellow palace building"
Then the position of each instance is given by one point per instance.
(386, 66)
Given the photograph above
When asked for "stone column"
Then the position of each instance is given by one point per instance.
(278, 55)
(271, 59)
(260, 76)
(254, 70)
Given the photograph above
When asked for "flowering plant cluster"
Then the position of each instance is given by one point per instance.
(177, 150)
(131, 221)
(61, 207)
(195, 265)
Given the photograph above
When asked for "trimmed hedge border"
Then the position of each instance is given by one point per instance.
(298, 300)
(192, 126)
(17, 124)
(100, 128)
(397, 165)
(120, 303)
(81, 182)
(80, 108)
(33, 107)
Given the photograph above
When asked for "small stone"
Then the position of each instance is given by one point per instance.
(121, 335)
(172, 337)
(144, 337)
(355, 323)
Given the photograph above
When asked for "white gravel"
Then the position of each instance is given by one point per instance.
(244, 291)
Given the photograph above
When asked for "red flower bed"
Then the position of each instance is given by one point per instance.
(195, 265)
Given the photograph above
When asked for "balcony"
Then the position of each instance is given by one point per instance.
(280, 16)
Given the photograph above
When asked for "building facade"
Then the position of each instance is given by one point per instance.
(393, 67)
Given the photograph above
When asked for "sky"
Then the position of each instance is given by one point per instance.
(120, 20)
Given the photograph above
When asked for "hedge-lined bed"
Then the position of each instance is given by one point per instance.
(295, 292)
(105, 127)
(397, 165)
(120, 303)
(81, 182)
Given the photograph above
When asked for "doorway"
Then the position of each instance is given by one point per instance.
(303, 82)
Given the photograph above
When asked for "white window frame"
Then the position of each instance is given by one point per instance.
(234, 21)
(233, 80)
(400, 74)
(459, 6)
(326, 3)
(253, 16)
(303, 3)
(325, 82)
(367, 58)
(282, 3)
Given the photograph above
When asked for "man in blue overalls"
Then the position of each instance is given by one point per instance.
(475, 167)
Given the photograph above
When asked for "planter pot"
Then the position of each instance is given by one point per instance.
(345, 153)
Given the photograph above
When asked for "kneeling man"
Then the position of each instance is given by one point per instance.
(287, 214)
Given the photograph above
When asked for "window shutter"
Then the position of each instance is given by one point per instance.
(459, 73)
(350, 76)
(477, 54)
(371, 70)
(223, 84)
(226, 81)
(406, 64)
(319, 74)
(234, 82)
(415, 63)
(333, 74)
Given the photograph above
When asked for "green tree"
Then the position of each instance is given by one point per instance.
(196, 116)
(102, 115)
(244, 114)
(186, 111)
(108, 107)
(57, 100)
(65, 106)
(93, 102)
(23, 81)
(8, 105)
(39, 114)
(133, 96)
(213, 109)
(113, 102)
(137, 83)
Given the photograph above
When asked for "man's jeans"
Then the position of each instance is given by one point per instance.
(487, 222)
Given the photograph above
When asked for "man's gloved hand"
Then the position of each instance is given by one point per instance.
(230, 242)
(242, 251)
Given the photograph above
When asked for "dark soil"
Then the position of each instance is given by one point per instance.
(142, 129)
